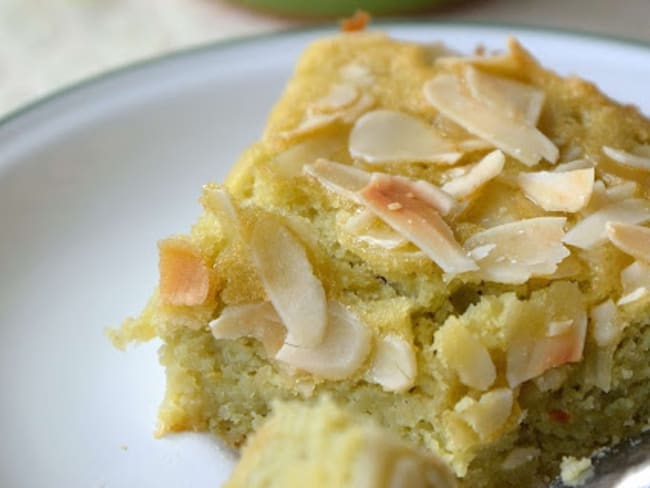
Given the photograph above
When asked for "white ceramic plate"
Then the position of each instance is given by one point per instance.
(91, 178)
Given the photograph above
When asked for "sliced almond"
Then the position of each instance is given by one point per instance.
(525, 248)
(631, 239)
(388, 136)
(622, 191)
(516, 100)
(340, 353)
(592, 230)
(558, 327)
(289, 282)
(218, 201)
(628, 159)
(522, 142)
(340, 96)
(343, 179)
(416, 220)
(462, 352)
(635, 280)
(257, 320)
(479, 174)
(568, 191)
(605, 324)
(529, 357)
(184, 275)
(358, 74)
(573, 165)
(363, 226)
(393, 366)
(487, 415)
(520, 456)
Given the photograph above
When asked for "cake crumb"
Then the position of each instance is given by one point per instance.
(575, 471)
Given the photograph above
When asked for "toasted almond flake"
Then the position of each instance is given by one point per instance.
(591, 231)
(184, 275)
(217, 200)
(568, 191)
(606, 328)
(482, 252)
(489, 414)
(479, 174)
(520, 456)
(290, 163)
(363, 226)
(358, 74)
(340, 353)
(417, 220)
(573, 165)
(525, 248)
(289, 282)
(388, 136)
(257, 320)
(515, 100)
(343, 179)
(558, 327)
(529, 357)
(522, 142)
(628, 159)
(461, 351)
(631, 239)
(633, 296)
(393, 366)
(470, 145)
(340, 96)
(622, 191)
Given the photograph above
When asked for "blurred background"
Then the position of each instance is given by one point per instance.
(47, 44)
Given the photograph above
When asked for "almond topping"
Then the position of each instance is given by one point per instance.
(525, 248)
(461, 351)
(417, 220)
(257, 320)
(520, 456)
(343, 179)
(479, 174)
(363, 226)
(567, 191)
(573, 165)
(340, 96)
(515, 138)
(515, 100)
(631, 239)
(605, 325)
(287, 277)
(635, 280)
(487, 415)
(558, 327)
(340, 353)
(529, 357)
(387, 136)
(628, 159)
(394, 366)
(184, 275)
(358, 74)
(592, 231)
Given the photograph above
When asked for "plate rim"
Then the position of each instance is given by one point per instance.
(71, 88)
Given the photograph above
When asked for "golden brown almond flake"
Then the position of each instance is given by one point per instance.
(627, 159)
(417, 220)
(184, 274)
(566, 191)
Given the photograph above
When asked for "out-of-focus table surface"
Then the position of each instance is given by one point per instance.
(45, 45)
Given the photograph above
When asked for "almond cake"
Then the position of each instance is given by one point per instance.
(454, 247)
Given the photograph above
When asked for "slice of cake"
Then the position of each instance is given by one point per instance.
(322, 446)
(452, 246)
